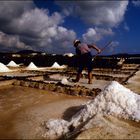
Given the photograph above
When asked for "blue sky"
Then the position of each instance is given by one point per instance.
(51, 26)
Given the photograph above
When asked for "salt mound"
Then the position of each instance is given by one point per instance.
(115, 99)
(12, 64)
(3, 68)
(31, 66)
(64, 81)
(69, 54)
(57, 66)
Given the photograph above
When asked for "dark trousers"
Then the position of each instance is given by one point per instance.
(85, 60)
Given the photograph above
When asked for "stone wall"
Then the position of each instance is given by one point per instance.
(58, 87)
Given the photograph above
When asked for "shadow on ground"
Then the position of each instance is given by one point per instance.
(67, 115)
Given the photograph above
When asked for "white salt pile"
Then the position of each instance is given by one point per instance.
(12, 64)
(57, 66)
(32, 66)
(3, 68)
(64, 81)
(69, 54)
(115, 99)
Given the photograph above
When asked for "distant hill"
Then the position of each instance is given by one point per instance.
(121, 55)
(126, 55)
(27, 52)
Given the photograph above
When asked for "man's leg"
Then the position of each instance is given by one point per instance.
(79, 73)
(81, 66)
(89, 77)
(78, 76)
(89, 67)
(89, 72)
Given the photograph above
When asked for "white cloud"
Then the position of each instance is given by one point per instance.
(35, 23)
(136, 3)
(31, 27)
(12, 42)
(43, 31)
(105, 13)
(62, 41)
(51, 31)
(36, 28)
(10, 10)
(96, 34)
(46, 29)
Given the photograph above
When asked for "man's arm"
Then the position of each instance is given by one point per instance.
(94, 47)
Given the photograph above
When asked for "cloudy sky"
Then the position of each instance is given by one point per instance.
(51, 26)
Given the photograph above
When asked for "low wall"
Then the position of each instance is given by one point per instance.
(59, 88)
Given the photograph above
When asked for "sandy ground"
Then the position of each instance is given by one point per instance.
(22, 110)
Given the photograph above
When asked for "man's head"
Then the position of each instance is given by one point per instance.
(76, 42)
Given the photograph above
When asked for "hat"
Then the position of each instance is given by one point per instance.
(76, 41)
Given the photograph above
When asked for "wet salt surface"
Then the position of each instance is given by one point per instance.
(17, 74)
(22, 110)
(101, 84)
